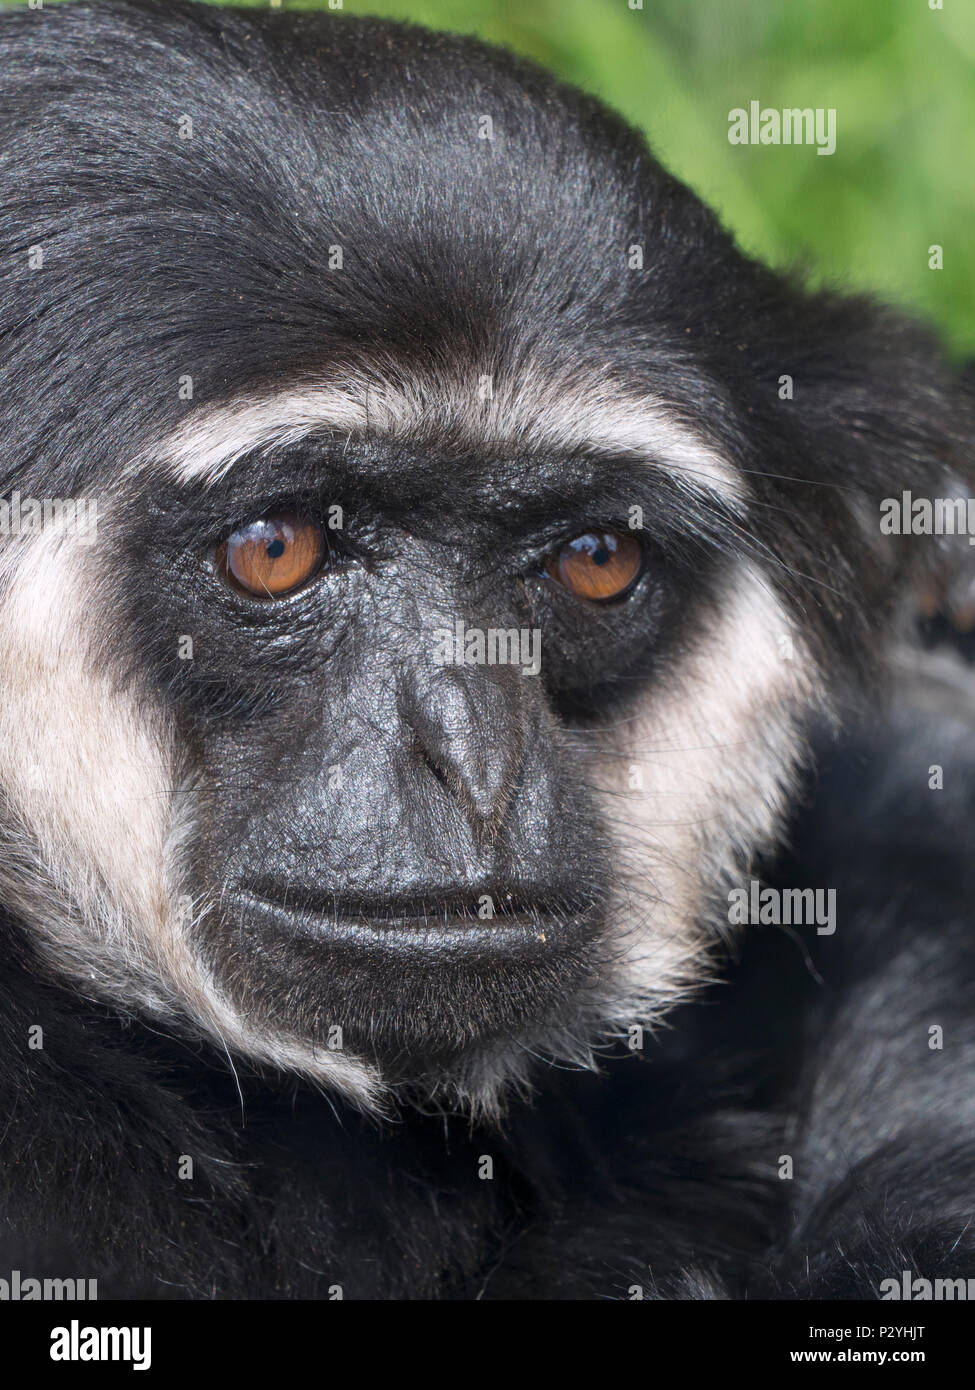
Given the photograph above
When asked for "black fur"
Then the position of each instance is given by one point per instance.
(661, 1173)
(209, 258)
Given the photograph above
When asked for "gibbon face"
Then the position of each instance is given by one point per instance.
(367, 344)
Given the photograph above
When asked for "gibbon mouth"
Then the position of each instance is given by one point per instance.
(436, 921)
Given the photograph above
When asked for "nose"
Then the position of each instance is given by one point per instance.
(469, 728)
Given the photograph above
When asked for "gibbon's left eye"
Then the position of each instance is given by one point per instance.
(272, 557)
(598, 565)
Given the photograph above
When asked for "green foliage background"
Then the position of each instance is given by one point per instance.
(900, 74)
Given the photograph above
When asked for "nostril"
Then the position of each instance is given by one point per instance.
(467, 732)
(441, 774)
(480, 784)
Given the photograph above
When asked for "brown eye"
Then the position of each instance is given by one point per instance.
(599, 565)
(271, 557)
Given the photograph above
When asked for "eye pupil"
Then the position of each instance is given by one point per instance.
(598, 565)
(272, 557)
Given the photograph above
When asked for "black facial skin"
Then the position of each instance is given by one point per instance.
(356, 801)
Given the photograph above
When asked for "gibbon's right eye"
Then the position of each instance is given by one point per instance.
(272, 557)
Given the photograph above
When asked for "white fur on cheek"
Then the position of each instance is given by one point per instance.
(714, 756)
(90, 826)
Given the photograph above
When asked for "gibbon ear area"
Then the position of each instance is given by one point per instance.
(848, 404)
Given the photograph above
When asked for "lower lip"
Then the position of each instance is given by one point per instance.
(407, 933)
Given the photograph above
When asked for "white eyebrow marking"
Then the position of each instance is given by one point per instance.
(539, 413)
